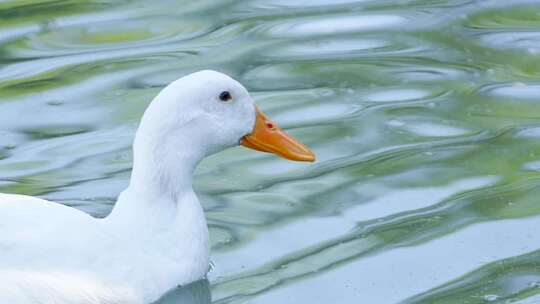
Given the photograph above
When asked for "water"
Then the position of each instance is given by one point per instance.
(424, 116)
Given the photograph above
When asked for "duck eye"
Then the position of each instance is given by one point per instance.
(225, 96)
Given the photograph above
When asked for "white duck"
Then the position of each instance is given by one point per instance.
(156, 237)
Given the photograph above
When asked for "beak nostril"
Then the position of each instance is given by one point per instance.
(270, 125)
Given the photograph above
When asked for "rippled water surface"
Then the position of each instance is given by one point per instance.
(425, 116)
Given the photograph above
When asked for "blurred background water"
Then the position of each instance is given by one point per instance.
(424, 115)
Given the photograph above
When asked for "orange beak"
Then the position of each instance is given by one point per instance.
(268, 137)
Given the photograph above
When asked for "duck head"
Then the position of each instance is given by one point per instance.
(201, 114)
(209, 111)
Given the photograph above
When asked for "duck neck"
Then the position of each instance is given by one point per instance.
(160, 212)
(161, 178)
(164, 168)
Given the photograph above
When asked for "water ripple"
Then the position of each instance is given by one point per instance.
(332, 25)
(422, 114)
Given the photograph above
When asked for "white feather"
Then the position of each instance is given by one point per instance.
(156, 236)
(22, 287)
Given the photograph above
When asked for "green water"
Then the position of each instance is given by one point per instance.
(424, 116)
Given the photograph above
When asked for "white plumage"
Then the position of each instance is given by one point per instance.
(57, 287)
(156, 236)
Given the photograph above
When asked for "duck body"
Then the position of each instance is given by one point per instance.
(58, 252)
(156, 236)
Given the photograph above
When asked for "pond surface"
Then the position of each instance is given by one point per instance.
(425, 116)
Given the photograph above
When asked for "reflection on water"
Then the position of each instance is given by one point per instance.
(194, 293)
(423, 115)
